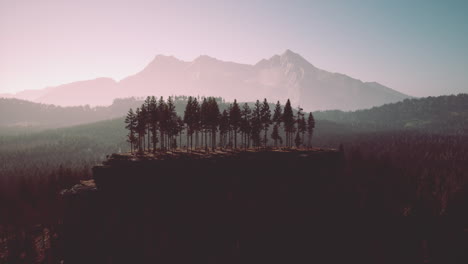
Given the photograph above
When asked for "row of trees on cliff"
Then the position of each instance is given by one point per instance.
(157, 126)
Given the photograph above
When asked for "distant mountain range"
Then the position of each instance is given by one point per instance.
(281, 77)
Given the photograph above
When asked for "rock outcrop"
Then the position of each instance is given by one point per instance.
(221, 207)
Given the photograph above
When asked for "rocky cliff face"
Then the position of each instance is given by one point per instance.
(224, 207)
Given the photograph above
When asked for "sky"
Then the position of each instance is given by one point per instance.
(416, 47)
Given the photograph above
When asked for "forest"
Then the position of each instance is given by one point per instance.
(157, 121)
(390, 169)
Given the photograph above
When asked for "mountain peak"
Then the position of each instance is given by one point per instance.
(290, 56)
(205, 58)
(289, 52)
(161, 57)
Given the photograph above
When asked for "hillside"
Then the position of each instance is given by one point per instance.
(442, 114)
(280, 77)
(25, 116)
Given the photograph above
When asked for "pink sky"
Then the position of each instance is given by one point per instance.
(48, 43)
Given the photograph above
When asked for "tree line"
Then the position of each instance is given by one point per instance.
(156, 126)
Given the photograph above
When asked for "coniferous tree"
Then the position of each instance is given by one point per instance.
(131, 122)
(310, 128)
(140, 129)
(162, 117)
(301, 124)
(297, 140)
(265, 119)
(257, 124)
(223, 128)
(235, 119)
(172, 124)
(144, 124)
(288, 119)
(213, 118)
(245, 126)
(204, 122)
(189, 120)
(196, 119)
(153, 113)
(276, 136)
(146, 105)
(277, 117)
(180, 130)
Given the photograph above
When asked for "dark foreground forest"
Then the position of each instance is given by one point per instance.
(405, 174)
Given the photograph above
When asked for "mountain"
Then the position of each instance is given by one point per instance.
(281, 77)
(441, 115)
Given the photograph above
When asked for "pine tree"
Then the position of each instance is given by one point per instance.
(162, 117)
(180, 130)
(140, 129)
(265, 119)
(275, 135)
(204, 122)
(310, 128)
(301, 123)
(223, 128)
(172, 125)
(257, 123)
(213, 120)
(196, 119)
(245, 126)
(131, 122)
(298, 140)
(189, 120)
(235, 119)
(147, 106)
(288, 119)
(277, 118)
(153, 113)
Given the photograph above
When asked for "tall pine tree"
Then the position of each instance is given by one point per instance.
(235, 120)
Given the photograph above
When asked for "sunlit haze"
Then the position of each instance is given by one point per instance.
(415, 47)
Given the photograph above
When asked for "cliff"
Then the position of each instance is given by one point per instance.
(221, 207)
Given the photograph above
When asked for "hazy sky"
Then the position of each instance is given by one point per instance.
(417, 47)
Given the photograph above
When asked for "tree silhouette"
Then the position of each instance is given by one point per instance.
(277, 118)
(297, 140)
(154, 115)
(256, 124)
(172, 124)
(223, 128)
(147, 105)
(157, 121)
(180, 129)
(190, 119)
(131, 122)
(301, 124)
(162, 117)
(275, 135)
(196, 119)
(265, 119)
(140, 129)
(204, 121)
(245, 126)
(310, 128)
(212, 119)
(288, 119)
(235, 120)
